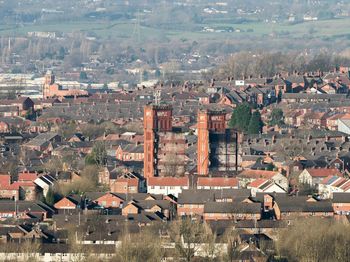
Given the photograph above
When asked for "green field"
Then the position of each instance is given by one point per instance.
(128, 29)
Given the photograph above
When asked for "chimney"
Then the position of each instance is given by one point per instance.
(309, 137)
(273, 139)
(266, 142)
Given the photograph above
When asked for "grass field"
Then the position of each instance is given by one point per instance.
(125, 30)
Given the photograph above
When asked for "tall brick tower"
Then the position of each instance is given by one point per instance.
(208, 122)
(49, 80)
(157, 118)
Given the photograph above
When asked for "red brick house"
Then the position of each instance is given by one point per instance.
(125, 185)
(9, 123)
(231, 211)
(341, 203)
(24, 104)
(68, 202)
(288, 208)
(192, 202)
(130, 152)
(9, 111)
(109, 200)
(22, 209)
(131, 208)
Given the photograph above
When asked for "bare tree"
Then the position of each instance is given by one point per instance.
(173, 165)
(187, 235)
(232, 240)
(30, 249)
(144, 246)
(307, 238)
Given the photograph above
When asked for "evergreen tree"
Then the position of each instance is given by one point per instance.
(276, 117)
(50, 197)
(83, 75)
(157, 73)
(270, 167)
(255, 123)
(241, 117)
(98, 155)
(61, 53)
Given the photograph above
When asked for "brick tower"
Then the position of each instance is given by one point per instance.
(208, 122)
(157, 118)
(49, 80)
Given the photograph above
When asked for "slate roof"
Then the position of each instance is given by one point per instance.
(341, 197)
(234, 207)
(299, 204)
(195, 196)
(23, 206)
(201, 196)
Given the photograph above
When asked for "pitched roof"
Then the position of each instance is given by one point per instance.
(195, 196)
(25, 176)
(300, 204)
(341, 197)
(250, 173)
(222, 207)
(258, 182)
(323, 172)
(217, 181)
(167, 181)
(5, 180)
(22, 206)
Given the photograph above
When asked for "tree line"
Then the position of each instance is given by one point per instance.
(248, 64)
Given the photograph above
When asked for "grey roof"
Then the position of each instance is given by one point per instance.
(195, 196)
(299, 204)
(341, 198)
(233, 207)
(201, 196)
(23, 206)
(147, 204)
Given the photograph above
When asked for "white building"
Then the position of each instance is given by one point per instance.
(167, 185)
(265, 186)
(344, 126)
